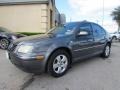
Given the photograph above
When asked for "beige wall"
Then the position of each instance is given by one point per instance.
(25, 18)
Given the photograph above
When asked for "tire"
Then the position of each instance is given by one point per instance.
(4, 43)
(114, 38)
(106, 52)
(57, 66)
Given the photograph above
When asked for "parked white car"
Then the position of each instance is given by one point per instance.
(115, 36)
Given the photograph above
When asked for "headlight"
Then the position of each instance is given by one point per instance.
(14, 37)
(25, 49)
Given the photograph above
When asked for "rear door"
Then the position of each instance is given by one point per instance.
(99, 38)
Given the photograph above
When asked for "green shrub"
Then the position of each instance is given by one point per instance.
(29, 33)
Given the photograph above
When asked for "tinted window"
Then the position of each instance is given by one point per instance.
(4, 29)
(63, 30)
(86, 27)
(98, 30)
(71, 25)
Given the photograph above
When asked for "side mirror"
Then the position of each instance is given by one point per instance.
(83, 33)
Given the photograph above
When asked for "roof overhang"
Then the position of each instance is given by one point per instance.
(23, 3)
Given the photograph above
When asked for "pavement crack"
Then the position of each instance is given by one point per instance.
(27, 83)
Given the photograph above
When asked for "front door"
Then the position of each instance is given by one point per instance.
(83, 44)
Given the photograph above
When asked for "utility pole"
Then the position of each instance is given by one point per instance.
(97, 21)
(70, 19)
(103, 13)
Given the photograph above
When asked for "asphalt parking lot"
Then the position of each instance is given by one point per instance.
(91, 74)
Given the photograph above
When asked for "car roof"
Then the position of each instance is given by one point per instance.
(80, 22)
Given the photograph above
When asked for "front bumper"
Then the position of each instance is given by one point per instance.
(30, 65)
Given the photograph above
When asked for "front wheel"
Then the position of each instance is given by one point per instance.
(107, 51)
(58, 63)
(4, 43)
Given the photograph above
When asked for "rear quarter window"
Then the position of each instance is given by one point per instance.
(98, 30)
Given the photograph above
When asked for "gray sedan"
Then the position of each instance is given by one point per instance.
(55, 51)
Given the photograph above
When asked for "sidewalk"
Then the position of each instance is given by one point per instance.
(11, 78)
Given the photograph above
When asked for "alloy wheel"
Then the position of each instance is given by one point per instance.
(60, 64)
(4, 43)
(107, 50)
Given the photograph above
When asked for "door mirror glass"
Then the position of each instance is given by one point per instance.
(83, 33)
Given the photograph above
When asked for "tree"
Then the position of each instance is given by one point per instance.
(116, 16)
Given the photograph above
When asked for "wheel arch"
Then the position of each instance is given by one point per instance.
(109, 43)
(1, 37)
(66, 49)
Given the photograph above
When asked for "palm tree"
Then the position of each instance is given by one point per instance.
(116, 16)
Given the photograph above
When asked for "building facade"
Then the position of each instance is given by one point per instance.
(62, 19)
(28, 15)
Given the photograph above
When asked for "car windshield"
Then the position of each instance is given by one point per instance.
(4, 30)
(66, 29)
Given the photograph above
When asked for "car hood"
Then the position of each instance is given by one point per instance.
(33, 39)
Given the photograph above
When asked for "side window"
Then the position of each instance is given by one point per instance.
(98, 31)
(86, 27)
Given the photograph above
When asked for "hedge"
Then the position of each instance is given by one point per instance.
(29, 33)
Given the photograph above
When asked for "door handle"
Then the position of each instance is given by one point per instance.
(90, 40)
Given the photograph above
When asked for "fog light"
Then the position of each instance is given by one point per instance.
(40, 58)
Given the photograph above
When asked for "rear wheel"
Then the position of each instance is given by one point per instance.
(4, 43)
(114, 38)
(107, 51)
(58, 63)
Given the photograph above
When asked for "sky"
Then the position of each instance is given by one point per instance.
(97, 11)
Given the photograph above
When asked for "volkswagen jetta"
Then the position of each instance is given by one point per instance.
(56, 50)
